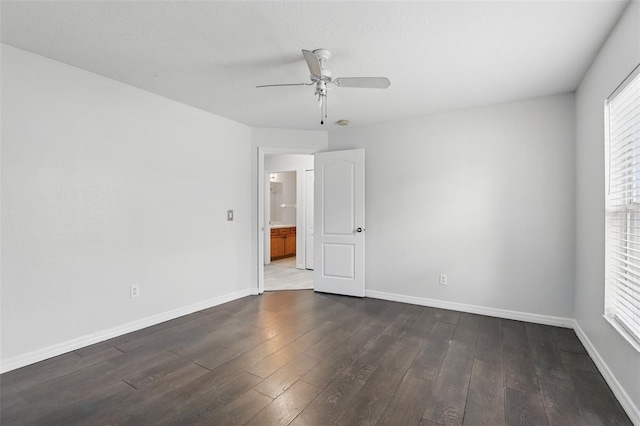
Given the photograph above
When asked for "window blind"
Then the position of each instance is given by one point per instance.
(622, 275)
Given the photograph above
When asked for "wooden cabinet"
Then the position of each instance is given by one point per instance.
(277, 245)
(283, 242)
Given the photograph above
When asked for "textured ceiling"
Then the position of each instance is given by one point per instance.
(439, 55)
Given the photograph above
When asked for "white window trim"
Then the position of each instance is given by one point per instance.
(609, 315)
(623, 331)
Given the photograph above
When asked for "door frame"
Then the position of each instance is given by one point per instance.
(309, 177)
(262, 150)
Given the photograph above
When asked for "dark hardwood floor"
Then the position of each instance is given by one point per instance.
(304, 358)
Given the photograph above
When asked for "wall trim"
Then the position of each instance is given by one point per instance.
(54, 350)
(90, 339)
(628, 405)
(473, 309)
(632, 410)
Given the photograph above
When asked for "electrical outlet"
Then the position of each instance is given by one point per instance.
(443, 279)
(135, 290)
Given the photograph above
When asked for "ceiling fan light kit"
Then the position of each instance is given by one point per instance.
(320, 77)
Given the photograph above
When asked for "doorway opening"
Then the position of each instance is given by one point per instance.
(287, 262)
(285, 219)
(338, 207)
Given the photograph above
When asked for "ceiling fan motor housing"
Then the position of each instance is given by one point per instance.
(321, 88)
(325, 76)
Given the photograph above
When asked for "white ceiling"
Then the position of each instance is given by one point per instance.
(439, 55)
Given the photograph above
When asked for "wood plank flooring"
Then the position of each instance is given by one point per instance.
(305, 358)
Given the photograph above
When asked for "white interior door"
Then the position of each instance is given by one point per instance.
(308, 219)
(339, 222)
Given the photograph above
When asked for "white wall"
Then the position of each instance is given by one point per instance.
(297, 163)
(485, 195)
(286, 194)
(619, 55)
(275, 163)
(104, 186)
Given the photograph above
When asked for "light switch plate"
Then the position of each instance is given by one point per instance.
(230, 215)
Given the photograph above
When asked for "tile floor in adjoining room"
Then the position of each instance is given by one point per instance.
(283, 275)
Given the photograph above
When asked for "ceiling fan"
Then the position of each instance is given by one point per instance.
(321, 77)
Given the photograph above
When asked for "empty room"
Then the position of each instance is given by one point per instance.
(320, 212)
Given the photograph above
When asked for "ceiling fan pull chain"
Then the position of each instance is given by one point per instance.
(326, 105)
(323, 109)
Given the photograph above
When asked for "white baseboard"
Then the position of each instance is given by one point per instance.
(473, 309)
(81, 342)
(632, 410)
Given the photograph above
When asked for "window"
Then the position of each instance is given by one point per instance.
(622, 163)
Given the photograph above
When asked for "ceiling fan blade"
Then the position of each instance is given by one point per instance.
(364, 82)
(286, 84)
(313, 62)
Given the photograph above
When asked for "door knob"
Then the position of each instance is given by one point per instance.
(359, 230)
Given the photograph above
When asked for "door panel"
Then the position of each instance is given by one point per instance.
(339, 261)
(339, 222)
(338, 213)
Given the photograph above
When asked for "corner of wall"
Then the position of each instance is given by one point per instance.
(618, 56)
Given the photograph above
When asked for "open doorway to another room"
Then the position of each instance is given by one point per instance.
(288, 216)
